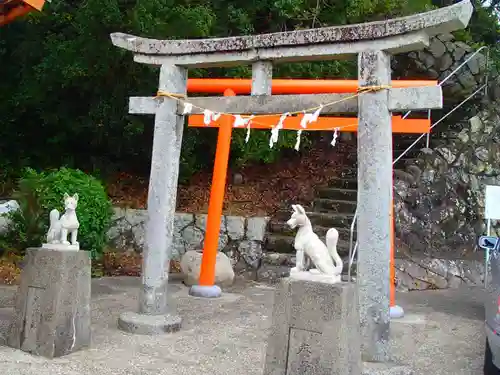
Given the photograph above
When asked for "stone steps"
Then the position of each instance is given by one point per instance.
(350, 173)
(344, 183)
(334, 206)
(320, 219)
(283, 244)
(337, 194)
(282, 228)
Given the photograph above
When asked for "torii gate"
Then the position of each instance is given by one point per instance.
(373, 43)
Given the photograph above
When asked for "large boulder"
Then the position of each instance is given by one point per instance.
(191, 264)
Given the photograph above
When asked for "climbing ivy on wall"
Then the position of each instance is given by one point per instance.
(64, 87)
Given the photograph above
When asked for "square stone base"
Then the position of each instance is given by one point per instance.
(315, 330)
(60, 247)
(52, 310)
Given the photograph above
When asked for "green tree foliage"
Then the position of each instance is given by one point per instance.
(64, 87)
(39, 193)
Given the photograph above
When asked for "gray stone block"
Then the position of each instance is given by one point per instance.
(315, 330)
(256, 228)
(235, 227)
(52, 308)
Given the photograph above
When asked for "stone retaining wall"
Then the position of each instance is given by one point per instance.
(436, 273)
(439, 199)
(241, 238)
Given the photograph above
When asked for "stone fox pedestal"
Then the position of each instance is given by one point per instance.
(315, 330)
(52, 311)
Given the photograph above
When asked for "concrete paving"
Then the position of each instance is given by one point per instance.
(442, 333)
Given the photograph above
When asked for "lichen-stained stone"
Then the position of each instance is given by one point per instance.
(201, 223)
(192, 238)
(251, 252)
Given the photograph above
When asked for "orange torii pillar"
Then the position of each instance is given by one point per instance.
(279, 86)
(207, 271)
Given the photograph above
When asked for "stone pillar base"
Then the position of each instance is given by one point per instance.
(52, 311)
(143, 324)
(315, 329)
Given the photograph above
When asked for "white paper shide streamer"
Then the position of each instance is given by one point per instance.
(188, 108)
(310, 117)
(275, 131)
(240, 121)
(209, 116)
(297, 144)
(247, 138)
(335, 136)
(306, 119)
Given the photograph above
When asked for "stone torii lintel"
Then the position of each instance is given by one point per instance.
(400, 99)
(318, 52)
(395, 35)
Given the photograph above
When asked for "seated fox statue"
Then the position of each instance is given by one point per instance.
(325, 258)
(64, 225)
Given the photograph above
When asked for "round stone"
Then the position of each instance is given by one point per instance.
(191, 267)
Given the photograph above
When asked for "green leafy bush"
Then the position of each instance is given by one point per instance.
(39, 193)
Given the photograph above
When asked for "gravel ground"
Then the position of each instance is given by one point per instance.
(442, 333)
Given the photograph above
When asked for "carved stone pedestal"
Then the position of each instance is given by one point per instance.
(315, 330)
(52, 312)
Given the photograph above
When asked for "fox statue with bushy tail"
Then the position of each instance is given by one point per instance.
(61, 226)
(324, 257)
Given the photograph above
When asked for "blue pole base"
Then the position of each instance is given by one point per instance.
(212, 291)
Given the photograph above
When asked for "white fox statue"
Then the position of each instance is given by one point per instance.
(61, 226)
(324, 257)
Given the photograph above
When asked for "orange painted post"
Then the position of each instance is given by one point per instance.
(35, 4)
(346, 124)
(395, 311)
(393, 271)
(207, 272)
(289, 86)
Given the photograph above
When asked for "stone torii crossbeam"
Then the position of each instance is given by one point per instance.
(373, 43)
